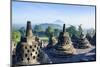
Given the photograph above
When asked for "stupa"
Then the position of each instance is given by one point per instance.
(94, 39)
(75, 40)
(64, 46)
(28, 51)
(83, 41)
(52, 41)
(89, 37)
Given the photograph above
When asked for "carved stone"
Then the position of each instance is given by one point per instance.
(28, 50)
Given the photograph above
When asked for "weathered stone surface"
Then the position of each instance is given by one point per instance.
(13, 47)
(64, 46)
(75, 41)
(83, 42)
(28, 50)
(30, 54)
(29, 30)
(52, 41)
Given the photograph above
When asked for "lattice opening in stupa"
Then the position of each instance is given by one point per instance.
(28, 51)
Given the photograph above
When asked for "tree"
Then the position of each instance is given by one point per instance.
(72, 30)
(56, 32)
(16, 37)
(22, 31)
(37, 28)
(49, 31)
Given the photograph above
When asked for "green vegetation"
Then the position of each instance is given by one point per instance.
(72, 30)
(45, 31)
(56, 32)
(37, 28)
(49, 31)
(22, 31)
(44, 38)
(16, 37)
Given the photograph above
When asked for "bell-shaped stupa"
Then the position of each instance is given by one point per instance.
(75, 40)
(64, 46)
(28, 50)
(52, 41)
(83, 42)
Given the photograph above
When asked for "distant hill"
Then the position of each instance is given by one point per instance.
(54, 26)
(43, 26)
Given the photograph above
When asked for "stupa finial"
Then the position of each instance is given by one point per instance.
(29, 29)
(64, 30)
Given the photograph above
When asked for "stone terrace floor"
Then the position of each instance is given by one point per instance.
(82, 55)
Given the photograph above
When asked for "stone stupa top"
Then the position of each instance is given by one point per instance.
(29, 29)
(64, 30)
(29, 35)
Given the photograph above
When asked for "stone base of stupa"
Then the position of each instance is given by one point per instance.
(50, 46)
(84, 46)
(23, 63)
(43, 59)
(63, 51)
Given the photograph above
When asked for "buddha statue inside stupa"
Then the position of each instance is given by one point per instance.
(28, 50)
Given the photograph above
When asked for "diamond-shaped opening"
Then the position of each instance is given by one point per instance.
(34, 45)
(38, 48)
(31, 54)
(33, 57)
(36, 52)
(28, 58)
(38, 55)
(30, 46)
(25, 55)
(33, 50)
(25, 47)
(28, 50)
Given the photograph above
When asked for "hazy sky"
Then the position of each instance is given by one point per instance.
(48, 13)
